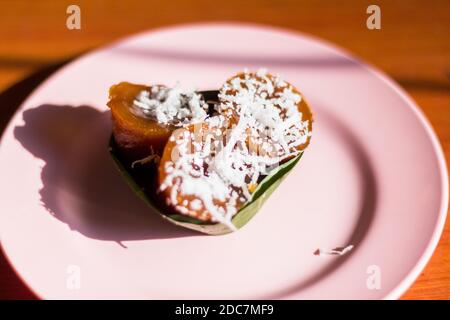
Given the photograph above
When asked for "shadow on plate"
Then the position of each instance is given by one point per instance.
(81, 186)
(10, 99)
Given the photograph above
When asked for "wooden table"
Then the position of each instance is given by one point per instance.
(413, 47)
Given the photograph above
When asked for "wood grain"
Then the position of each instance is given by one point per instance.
(413, 47)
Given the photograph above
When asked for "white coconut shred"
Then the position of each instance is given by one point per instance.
(339, 251)
(170, 106)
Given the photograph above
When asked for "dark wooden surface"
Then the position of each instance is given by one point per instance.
(412, 46)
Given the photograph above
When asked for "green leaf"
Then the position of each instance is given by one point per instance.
(265, 188)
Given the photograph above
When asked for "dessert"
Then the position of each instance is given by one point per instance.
(198, 177)
(276, 113)
(217, 165)
(145, 116)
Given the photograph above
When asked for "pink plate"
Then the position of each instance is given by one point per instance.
(374, 177)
